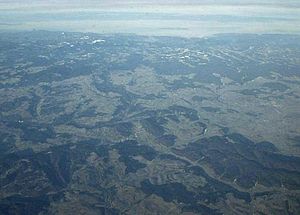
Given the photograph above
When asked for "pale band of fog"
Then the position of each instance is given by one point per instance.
(160, 18)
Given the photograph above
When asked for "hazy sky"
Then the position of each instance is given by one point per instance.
(140, 2)
(168, 17)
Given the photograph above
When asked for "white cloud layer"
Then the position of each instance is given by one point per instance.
(168, 17)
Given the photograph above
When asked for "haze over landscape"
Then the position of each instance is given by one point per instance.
(150, 107)
(179, 18)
